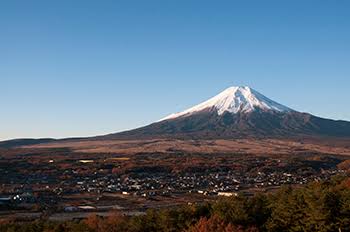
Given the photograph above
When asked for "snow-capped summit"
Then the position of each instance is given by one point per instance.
(234, 100)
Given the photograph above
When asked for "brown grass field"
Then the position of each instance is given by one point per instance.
(242, 146)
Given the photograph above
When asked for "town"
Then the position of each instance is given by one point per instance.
(67, 186)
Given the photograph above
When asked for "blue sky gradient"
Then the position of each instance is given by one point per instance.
(80, 68)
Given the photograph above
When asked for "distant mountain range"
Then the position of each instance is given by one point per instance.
(237, 112)
(23, 142)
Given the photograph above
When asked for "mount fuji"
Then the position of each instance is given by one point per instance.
(238, 112)
(235, 113)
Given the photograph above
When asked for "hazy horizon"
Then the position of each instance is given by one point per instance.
(82, 68)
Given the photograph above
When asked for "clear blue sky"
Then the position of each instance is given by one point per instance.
(79, 68)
